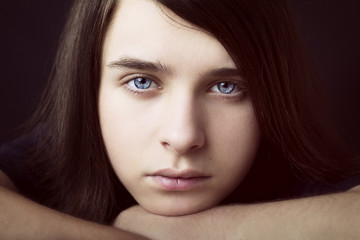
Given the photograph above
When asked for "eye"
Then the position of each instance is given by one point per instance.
(224, 87)
(141, 83)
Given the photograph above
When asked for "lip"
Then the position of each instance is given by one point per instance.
(178, 180)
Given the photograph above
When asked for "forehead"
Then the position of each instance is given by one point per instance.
(151, 10)
(146, 29)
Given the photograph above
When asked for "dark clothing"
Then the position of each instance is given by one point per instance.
(313, 189)
(11, 156)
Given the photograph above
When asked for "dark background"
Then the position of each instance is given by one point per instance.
(30, 29)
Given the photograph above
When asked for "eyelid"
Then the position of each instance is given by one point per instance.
(238, 84)
(130, 77)
(124, 82)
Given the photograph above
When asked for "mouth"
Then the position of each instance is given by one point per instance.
(178, 180)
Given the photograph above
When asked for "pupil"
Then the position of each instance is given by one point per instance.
(142, 83)
(225, 87)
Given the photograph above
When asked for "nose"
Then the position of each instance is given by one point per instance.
(182, 129)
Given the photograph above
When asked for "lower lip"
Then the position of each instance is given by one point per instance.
(178, 184)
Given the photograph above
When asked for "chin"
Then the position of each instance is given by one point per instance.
(175, 208)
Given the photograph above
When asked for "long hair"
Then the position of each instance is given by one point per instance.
(70, 162)
(262, 39)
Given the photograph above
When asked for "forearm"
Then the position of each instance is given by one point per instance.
(324, 217)
(328, 217)
(21, 218)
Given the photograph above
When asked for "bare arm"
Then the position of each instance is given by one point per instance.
(334, 216)
(21, 218)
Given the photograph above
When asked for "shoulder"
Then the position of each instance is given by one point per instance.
(13, 166)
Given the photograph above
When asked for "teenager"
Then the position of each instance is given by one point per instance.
(180, 106)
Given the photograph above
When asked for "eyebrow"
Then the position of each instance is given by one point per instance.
(225, 72)
(138, 64)
(143, 65)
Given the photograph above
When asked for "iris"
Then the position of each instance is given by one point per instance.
(226, 87)
(142, 83)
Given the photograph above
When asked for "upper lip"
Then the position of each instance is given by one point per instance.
(176, 173)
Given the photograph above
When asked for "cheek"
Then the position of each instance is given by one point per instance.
(127, 128)
(236, 136)
(234, 129)
(117, 124)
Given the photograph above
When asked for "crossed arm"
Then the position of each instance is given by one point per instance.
(334, 216)
(21, 218)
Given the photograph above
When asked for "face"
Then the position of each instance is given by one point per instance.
(176, 119)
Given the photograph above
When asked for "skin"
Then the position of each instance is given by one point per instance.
(333, 217)
(193, 113)
(21, 218)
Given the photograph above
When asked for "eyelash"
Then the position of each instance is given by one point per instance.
(134, 90)
(239, 85)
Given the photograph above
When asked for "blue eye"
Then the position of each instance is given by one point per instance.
(140, 83)
(225, 87)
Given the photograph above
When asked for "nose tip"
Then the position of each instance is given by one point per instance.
(182, 130)
(183, 141)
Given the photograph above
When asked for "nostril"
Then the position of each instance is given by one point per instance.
(194, 147)
(165, 144)
(182, 138)
(180, 149)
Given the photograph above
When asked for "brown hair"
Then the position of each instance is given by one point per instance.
(70, 161)
(287, 98)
